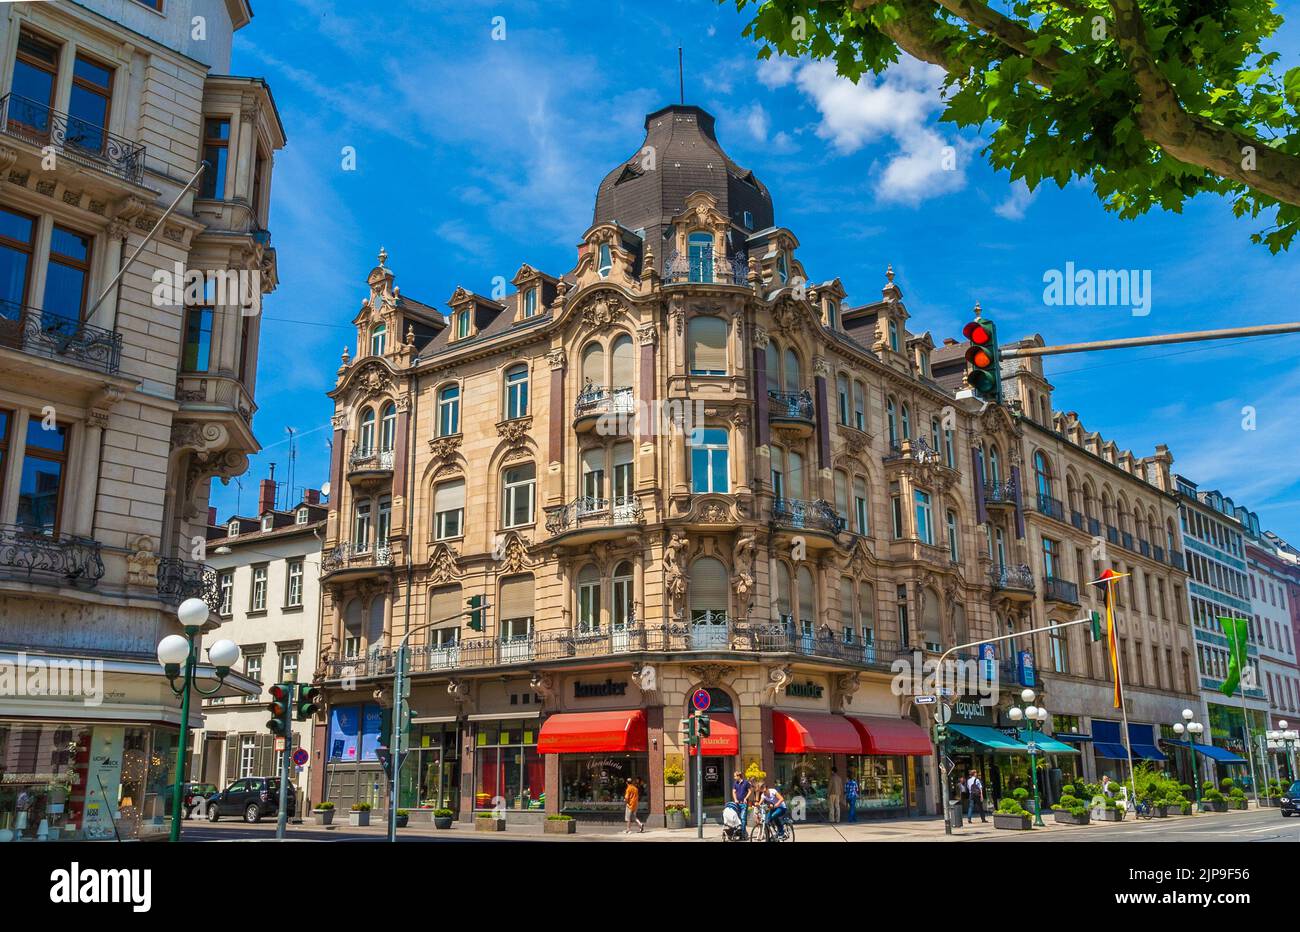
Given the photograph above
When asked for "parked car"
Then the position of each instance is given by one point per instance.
(193, 795)
(1291, 800)
(251, 798)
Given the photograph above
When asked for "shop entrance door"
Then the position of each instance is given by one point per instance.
(716, 783)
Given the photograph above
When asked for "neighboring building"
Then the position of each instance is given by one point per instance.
(115, 414)
(1273, 573)
(268, 577)
(1219, 586)
(673, 468)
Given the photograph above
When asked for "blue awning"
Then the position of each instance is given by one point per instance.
(1072, 737)
(1141, 738)
(1112, 751)
(1222, 755)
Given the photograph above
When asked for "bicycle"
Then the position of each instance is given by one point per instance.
(1143, 810)
(764, 830)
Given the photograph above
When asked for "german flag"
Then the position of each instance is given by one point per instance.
(1107, 582)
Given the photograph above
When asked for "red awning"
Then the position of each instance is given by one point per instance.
(586, 732)
(892, 736)
(814, 733)
(724, 736)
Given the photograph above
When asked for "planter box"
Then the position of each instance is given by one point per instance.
(359, 819)
(489, 825)
(1108, 815)
(1066, 818)
(1270, 802)
(560, 826)
(403, 820)
(1236, 803)
(1013, 822)
(675, 819)
(1210, 805)
(1160, 812)
(322, 816)
(443, 822)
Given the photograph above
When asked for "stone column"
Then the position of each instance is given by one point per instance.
(556, 429)
(822, 372)
(655, 733)
(762, 430)
(552, 767)
(337, 460)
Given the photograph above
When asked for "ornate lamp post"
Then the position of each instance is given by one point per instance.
(178, 655)
(1285, 740)
(1035, 717)
(1192, 730)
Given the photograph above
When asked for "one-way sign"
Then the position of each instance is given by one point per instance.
(923, 700)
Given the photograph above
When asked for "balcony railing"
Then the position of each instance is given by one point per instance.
(603, 399)
(75, 139)
(1094, 527)
(706, 269)
(1000, 491)
(711, 631)
(1158, 552)
(792, 405)
(1052, 507)
(1144, 547)
(1061, 590)
(915, 449)
(1012, 577)
(818, 516)
(1112, 534)
(179, 580)
(370, 458)
(217, 391)
(65, 339)
(1076, 518)
(1176, 559)
(594, 512)
(30, 555)
(1126, 540)
(349, 556)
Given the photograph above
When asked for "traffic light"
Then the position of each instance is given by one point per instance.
(308, 703)
(1097, 633)
(983, 361)
(279, 709)
(688, 730)
(702, 725)
(940, 733)
(475, 602)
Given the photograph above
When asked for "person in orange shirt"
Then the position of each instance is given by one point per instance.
(631, 796)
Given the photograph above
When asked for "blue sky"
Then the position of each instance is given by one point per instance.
(474, 155)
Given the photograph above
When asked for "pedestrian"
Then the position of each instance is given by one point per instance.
(1107, 788)
(836, 795)
(741, 790)
(632, 796)
(851, 797)
(975, 796)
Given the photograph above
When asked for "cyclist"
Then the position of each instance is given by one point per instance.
(774, 803)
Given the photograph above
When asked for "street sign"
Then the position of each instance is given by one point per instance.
(923, 700)
(700, 700)
(946, 764)
(943, 715)
(280, 745)
(300, 757)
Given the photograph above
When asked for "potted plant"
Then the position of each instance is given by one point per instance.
(1070, 810)
(676, 815)
(1237, 798)
(1011, 813)
(360, 815)
(442, 818)
(489, 822)
(560, 825)
(1273, 796)
(1106, 809)
(1213, 801)
(403, 818)
(323, 814)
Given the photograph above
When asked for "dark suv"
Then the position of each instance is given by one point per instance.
(193, 796)
(252, 798)
(1291, 799)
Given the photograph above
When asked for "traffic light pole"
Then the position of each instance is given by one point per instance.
(1194, 336)
(282, 818)
(699, 780)
(395, 749)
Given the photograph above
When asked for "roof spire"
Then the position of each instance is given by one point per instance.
(383, 256)
(891, 292)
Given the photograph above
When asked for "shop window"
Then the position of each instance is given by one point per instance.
(508, 771)
(595, 783)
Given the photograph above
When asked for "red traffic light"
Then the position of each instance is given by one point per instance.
(977, 333)
(978, 357)
(278, 693)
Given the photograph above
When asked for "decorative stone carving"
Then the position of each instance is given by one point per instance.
(821, 368)
(142, 562)
(711, 675)
(674, 575)
(777, 679)
(555, 358)
(513, 555)
(371, 380)
(542, 683)
(444, 449)
(845, 685)
(742, 569)
(646, 678)
(459, 691)
(599, 314)
(515, 433)
(761, 338)
(714, 513)
(648, 334)
(444, 564)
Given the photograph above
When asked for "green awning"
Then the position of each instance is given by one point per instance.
(1047, 744)
(990, 738)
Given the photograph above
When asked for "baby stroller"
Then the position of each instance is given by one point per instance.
(733, 822)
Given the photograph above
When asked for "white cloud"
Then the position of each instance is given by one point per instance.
(776, 72)
(1018, 200)
(757, 121)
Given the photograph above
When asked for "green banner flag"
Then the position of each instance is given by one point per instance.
(1235, 630)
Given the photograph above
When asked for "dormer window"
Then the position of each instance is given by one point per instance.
(378, 339)
(302, 516)
(833, 314)
(699, 249)
(530, 302)
(783, 267)
(606, 264)
(268, 522)
(232, 529)
(462, 324)
(924, 362)
(747, 218)
(893, 335)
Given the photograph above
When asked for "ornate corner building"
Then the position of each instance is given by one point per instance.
(685, 465)
(120, 398)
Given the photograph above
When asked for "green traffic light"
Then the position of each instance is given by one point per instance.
(475, 602)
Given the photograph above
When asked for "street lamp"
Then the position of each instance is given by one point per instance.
(1036, 717)
(178, 655)
(1286, 740)
(1192, 730)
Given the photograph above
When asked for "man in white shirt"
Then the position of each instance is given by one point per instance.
(974, 796)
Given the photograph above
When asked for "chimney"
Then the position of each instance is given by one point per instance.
(311, 496)
(266, 496)
(212, 516)
(949, 341)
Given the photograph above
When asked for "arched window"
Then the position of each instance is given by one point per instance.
(621, 368)
(516, 391)
(893, 335)
(708, 594)
(707, 337)
(517, 495)
(530, 302)
(388, 428)
(832, 313)
(449, 410)
(606, 264)
(710, 456)
(891, 419)
(931, 626)
(624, 610)
(589, 600)
(1042, 477)
(995, 465)
(462, 325)
(593, 365)
(842, 394)
(859, 406)
(699, 249)
(792, 381)
(954, 537)
(366, 438)
(907, 422)
(378, 339)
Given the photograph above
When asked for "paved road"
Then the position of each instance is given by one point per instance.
(1251, 826)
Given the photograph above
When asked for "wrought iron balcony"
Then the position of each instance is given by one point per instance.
(590, 512)
(1052, 507)
(1000, 492)
(369, 458)
(706, 269)
(1158, 552)
(32, 556)
(74, 139)
(65, 339)
(1126, 540)
(1094, 527)
(816, 516)
(1076, 518)
(1060, 590)
(914, 449)
(1112, 534)
(1176, 559)
(797, 406)
(1014, 578)
(596, 400)
(1144, 547)
(179, 580)
(351, 556)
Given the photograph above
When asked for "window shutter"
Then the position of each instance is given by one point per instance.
(622, 368)
(517, 597)
(867, 605)
(264, 754)
(449, 496)
(623, 454)
(593, 460)
(846, 602)
(783, 590)
(807, 598)
(708, 344)
(593, 364)
(708, 585)
(232, 761)
(444, 602)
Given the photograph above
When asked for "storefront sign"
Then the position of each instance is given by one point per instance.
(1025, 668)
(971, 712)
(988, 662)
(583, 690)
(808, 690)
